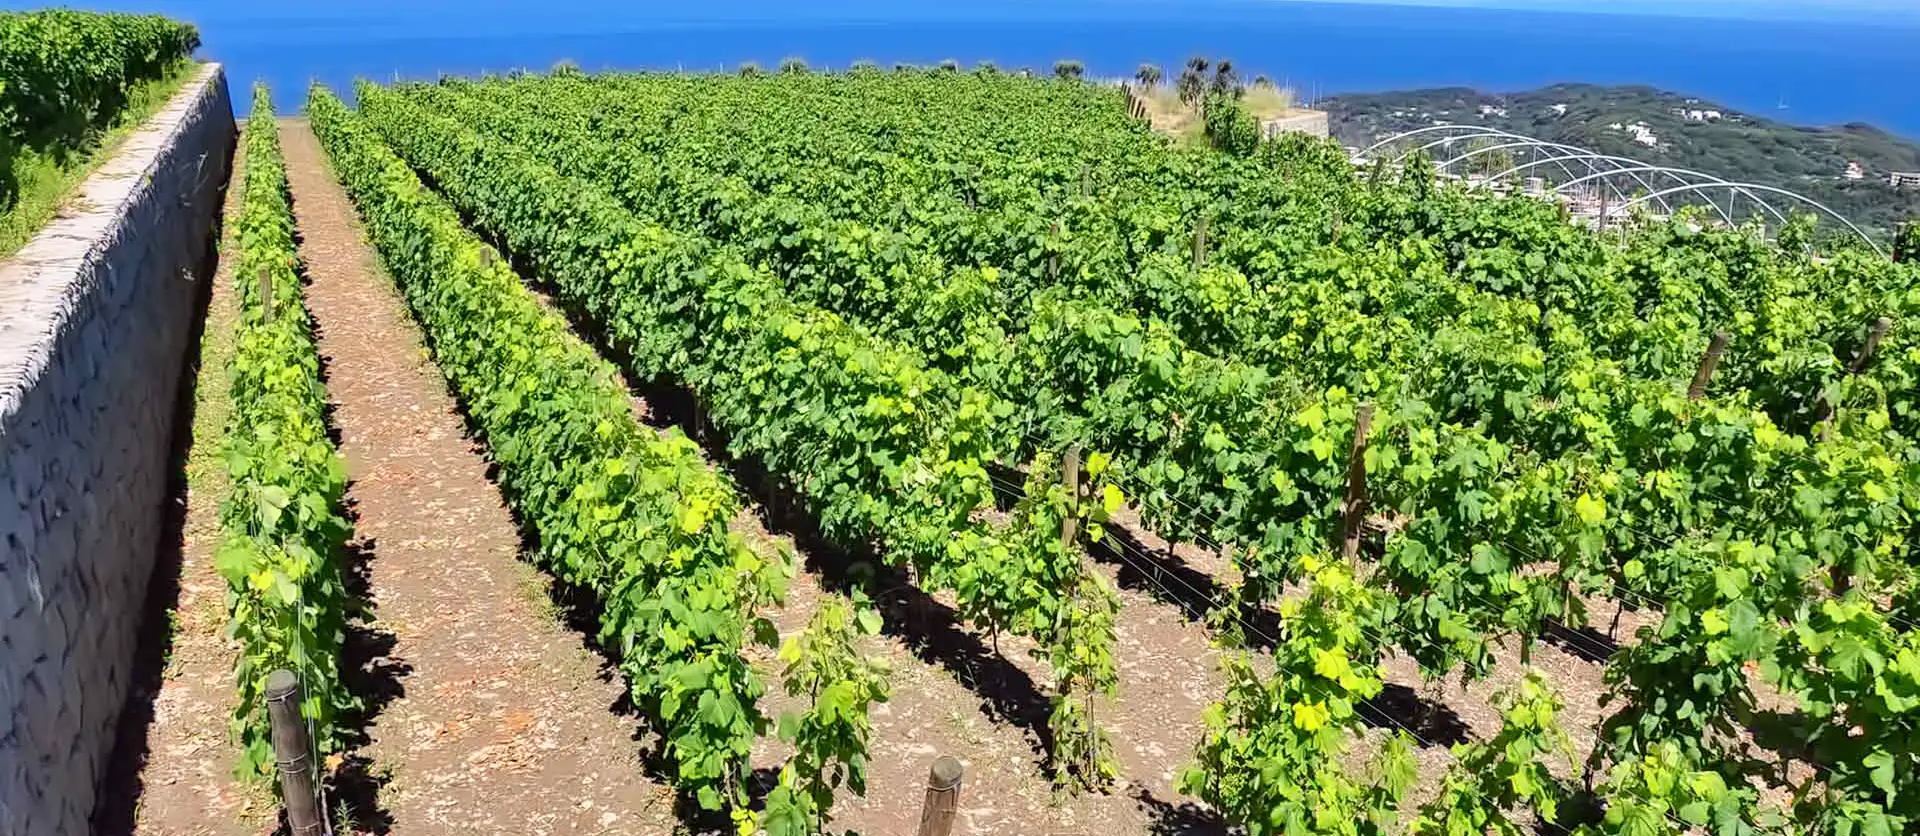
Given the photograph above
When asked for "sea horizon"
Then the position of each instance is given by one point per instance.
(1813, 73)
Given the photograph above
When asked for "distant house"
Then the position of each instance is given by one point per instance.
(1640, 131)
(1854, 171)
(1701, 115)
(1560, 109)
(1487, 110)
(1903, 178)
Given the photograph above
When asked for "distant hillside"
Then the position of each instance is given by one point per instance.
(1665, 129)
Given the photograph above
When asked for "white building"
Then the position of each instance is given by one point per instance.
(1640, 131)
(1854, 171)
(1903, 178)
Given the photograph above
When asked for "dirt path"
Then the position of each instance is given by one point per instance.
(496, 718)
(186, 783)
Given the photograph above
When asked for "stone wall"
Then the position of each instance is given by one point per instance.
(1310, 122)
(95, 316)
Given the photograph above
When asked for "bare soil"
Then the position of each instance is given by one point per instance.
(186, 783)
(489, 715)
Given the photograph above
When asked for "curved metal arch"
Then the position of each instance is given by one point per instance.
(1418, 131)
(1591, 168)
(1796, 196)
(1710, 181)
(1574, 152)
(1525, 141)
(1672, 172)
(1470, 131)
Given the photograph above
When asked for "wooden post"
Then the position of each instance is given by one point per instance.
(1825, 410)
(1874, 335)
(1053, 261)
(1707, 364)
(1200, 243)
(293, 751)
(1354, 507)
(943, 797)
(266, 296)
(1070, 525)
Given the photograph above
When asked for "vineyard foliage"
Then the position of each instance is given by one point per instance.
(637, 519)
(893, 288)
(283, 523)
(65, 73)
(885, 450)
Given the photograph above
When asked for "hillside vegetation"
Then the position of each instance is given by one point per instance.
(895, 292)
(1735, 145)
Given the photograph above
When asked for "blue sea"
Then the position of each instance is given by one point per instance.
(1819, 72)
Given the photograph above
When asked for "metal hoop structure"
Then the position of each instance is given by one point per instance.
(1615, 174)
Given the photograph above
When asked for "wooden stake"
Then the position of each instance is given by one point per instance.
(1874, 335)
(1354, 507)
(1070, 525)
(1707, 364)
(1200, 243)
(294, 752)
(1053, 261)
(1825, 410)
(943, 797)
(266, 296)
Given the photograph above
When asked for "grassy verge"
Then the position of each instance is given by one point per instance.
(46, 182)
(1185, 122)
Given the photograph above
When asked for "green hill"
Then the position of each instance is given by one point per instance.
(1665, 128)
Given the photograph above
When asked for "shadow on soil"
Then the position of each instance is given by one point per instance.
(372, 675)
(366, 667)
(933, 631)
(1186, 818)
(1584, 643)
(122, 783)
(1167, 578)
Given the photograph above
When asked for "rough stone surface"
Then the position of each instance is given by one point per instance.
(95, 315)
(1310, 122)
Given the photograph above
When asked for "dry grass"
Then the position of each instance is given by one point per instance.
(1171, 116)
(1267, 102)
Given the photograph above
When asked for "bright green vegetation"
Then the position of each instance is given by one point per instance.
(72, 85)
(283, 519)
(635, 517)
(883, 448)
(882, 284)
(1737, 146)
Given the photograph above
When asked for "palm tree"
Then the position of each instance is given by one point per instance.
(1262, 81)
(1225, 80)
(749, 68)
(1193, 80)
(793, 65)
(987, 68)
(1067, 69)
(950, 65)
(1148, 75)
